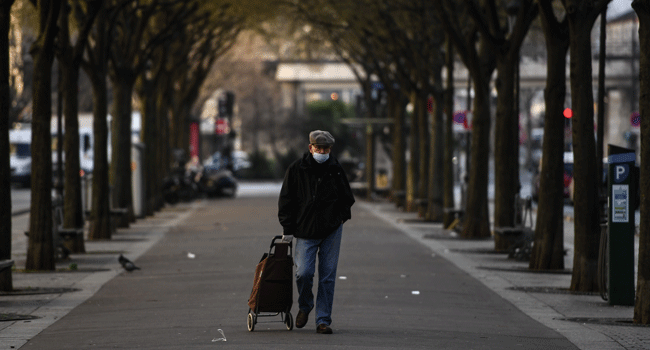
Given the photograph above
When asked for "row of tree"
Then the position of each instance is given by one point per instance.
(157, 52)
(407, 44)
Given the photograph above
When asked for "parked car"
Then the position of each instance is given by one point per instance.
(217, 161)
(635, 187)
(20, 156)
(569, 184)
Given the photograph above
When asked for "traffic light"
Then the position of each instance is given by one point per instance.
(226, 104)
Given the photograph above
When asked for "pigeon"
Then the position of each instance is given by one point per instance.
(127, 264)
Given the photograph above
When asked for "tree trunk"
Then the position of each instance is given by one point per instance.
(70, 57)
(548, 249)
(477, 221)
(72, 208)
(69, 68)
(6, 283)
(506, 149)
(399, 181)
(96, 68)
(423, 153)
(370, 160)
(370, 140)
(642, 305)
(149, 139)
(40, 252)
(101, 226)
(121, 141)
(586, 212)
(180, 127)
(163, 150)
(436, 173)
(411, 171)
(448, 168)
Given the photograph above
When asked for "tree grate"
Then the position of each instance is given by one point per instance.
(16, 317)
(605, 321)
(551, 290)
(525, 270)
(36, 291)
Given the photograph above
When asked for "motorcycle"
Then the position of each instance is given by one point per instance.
(218, 182)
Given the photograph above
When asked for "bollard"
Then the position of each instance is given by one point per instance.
(620, 252)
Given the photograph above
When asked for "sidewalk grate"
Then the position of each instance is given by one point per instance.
(551, 290)
(525, 269)
(488, 251)
(16, 317)
(36, 291)
(604, 321)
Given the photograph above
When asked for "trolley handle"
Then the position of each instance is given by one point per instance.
(273, 243)
(275, 239)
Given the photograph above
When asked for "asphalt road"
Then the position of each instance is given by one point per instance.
(392, 293)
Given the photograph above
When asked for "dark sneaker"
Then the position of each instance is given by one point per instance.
(323, 329)
(301, 319)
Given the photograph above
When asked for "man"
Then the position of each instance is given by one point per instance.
(315, 201)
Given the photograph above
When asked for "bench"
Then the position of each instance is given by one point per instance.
(519, 240)
(421, 202)
(6, 264)
(64, 239)
(120, 217)
(519, 237)
(456, 215)
(399, 198)
(67, 239)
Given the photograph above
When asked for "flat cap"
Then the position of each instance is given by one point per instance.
(321, 138)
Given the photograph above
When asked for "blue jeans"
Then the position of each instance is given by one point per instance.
(328, 258)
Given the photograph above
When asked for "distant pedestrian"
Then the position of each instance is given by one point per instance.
(315, 201)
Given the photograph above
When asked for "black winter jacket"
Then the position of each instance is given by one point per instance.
(315, 198)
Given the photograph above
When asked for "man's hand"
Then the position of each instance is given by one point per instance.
(287, 238)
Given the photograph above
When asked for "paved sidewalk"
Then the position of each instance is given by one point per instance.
(547, 300)
(402, 284)
(49, 296)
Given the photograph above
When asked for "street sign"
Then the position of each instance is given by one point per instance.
(635, 119)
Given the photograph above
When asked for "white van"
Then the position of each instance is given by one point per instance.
(20, 154)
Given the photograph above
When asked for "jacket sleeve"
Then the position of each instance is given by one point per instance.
(346, 198)
(287, 203)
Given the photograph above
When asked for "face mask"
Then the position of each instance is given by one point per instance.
(320, 158)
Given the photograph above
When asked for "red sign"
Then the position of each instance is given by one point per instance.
(194, 139)
(222, 127)
(635, 119)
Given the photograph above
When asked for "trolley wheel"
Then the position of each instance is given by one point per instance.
(288, 321)
(251, 322)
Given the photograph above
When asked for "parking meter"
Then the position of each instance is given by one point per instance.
(620, 242)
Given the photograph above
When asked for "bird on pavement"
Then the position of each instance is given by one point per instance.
(127, 264)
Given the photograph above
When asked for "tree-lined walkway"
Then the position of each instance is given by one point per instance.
(391, 293)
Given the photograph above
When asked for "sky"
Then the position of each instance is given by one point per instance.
(618, 7)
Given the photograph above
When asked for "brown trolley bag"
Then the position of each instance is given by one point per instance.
(273, 285)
